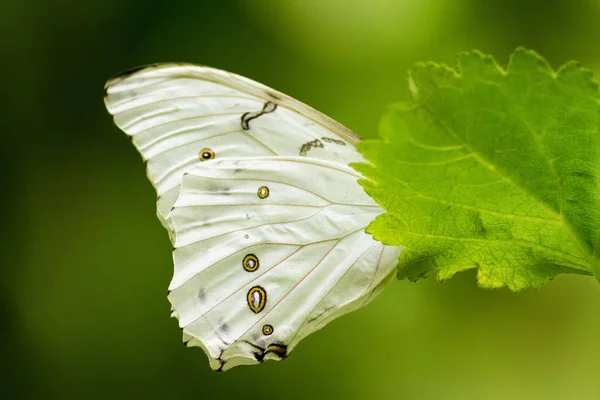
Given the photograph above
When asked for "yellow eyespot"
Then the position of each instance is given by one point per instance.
(206, 154)
(267, 329)
(263, 192)
(250, 263)
(257, 299)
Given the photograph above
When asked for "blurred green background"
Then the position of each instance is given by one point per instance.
(86, 264)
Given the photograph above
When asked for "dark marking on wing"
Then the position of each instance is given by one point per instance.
(206, 221)
(122, 75)
(305, 148)
(259, 353)
(332, 140)
(318, 315)
(225, 342)
(249, 116)
(202, 295)
(224, 328)
(220, 360)
(131, 71)
(257, 347)
(279, 349)
(273, 95)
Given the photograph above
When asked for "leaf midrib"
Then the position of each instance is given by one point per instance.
(589, 257)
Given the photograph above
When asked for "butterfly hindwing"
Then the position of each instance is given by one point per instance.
(268, 250)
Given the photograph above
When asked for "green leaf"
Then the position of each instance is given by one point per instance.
(490, 169)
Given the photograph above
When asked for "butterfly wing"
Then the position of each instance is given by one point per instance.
(178, 115)
(268, 250)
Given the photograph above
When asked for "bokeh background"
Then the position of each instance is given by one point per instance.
(86, 264)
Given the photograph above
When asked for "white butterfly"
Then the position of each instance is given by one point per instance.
(266, 218)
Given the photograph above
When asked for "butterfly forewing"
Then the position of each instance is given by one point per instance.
(180, 115)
